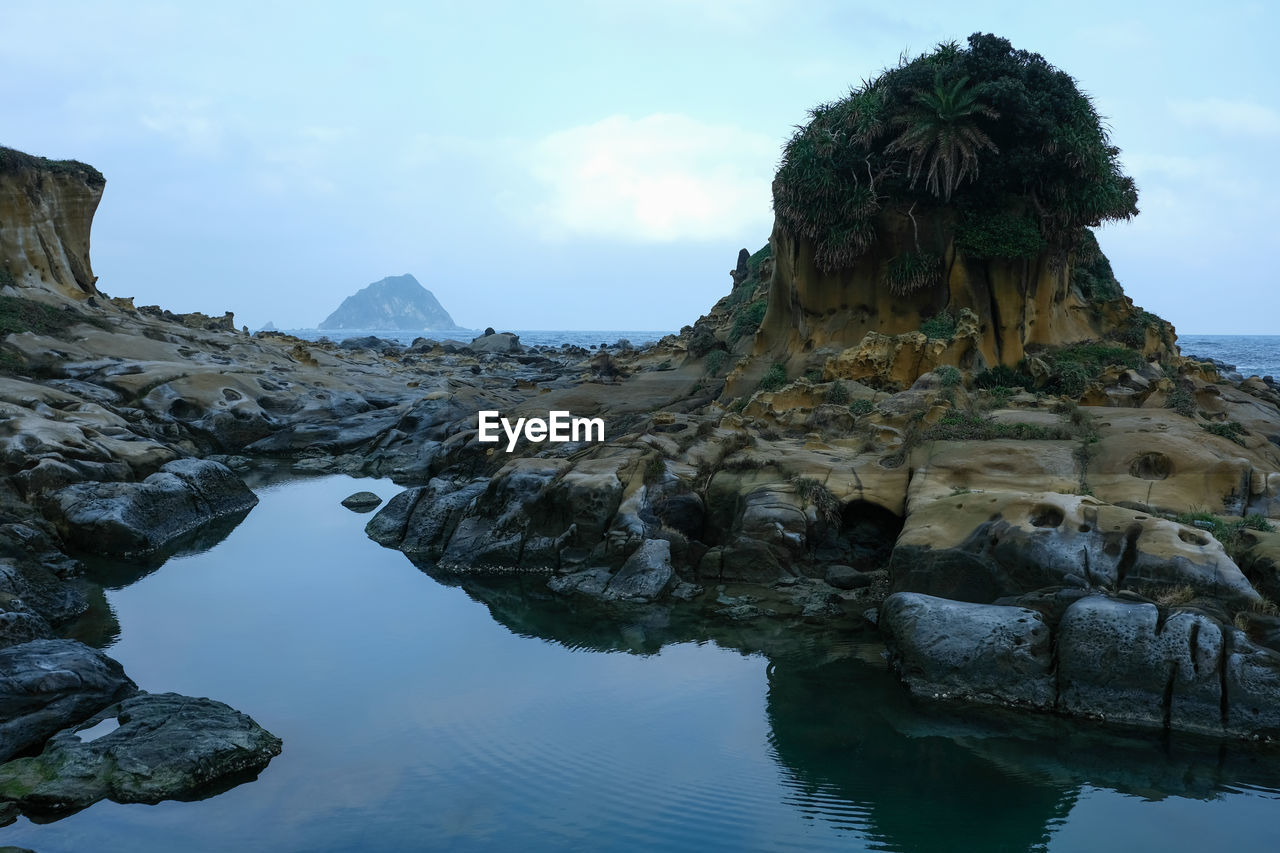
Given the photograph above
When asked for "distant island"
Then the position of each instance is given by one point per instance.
(395, 302)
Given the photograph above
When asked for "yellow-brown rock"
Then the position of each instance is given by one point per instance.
(46, 211)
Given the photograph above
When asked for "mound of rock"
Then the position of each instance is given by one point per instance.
(164, 747)
(129, 518)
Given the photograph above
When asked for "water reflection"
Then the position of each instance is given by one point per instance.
(482, 712)
(857, 752)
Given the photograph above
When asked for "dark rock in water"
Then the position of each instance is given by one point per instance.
(9, 812)
(847, 577)
(361, 501)
(47, 685)
(645, 575)
(395, 302)
(166, 747)
(127, 518)
(985, 653)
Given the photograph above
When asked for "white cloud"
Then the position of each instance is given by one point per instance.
(188, 122)
(660, 178)
(1230, 117)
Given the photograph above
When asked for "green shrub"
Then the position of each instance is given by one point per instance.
(14, 161)
(1182, 401)
(715, 360)
(654, 469)
(1134, 333)
(748, 320)
(956, 425)
(999, 235)
(912, 271)
(757, 260)
(1232, 430)
(1091, 272)
(948, 376)
(941, 326)
(26, 315)
(1002, 376)
(1259, 522)
(823, 500)
(701, 340)
(838, 393)
(859, 408)
(972, 126)
(774, 378)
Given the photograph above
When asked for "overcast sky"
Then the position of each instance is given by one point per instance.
(588, 165)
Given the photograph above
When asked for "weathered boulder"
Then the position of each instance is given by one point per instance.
(983, 653)
(500, 343)
(166, 747)
(847, 577)
(1121, 661)
(361, 501)
(645, 575)
(47, 685)
(985, 545)
(128, 518)
(421, 520)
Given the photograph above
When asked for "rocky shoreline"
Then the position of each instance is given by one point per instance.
(1063, 515)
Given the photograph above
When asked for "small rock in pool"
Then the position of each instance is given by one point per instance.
(361, 501)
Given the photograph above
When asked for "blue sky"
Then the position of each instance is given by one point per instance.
(592, 165)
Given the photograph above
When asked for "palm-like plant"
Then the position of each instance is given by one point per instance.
(940, 130)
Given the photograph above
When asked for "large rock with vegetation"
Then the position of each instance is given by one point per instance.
(965, 180)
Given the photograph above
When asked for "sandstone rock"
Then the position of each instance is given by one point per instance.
(166, 747)
(977, 652)
(47, 210)
(46, 685)
(984, 545)
(125, 518)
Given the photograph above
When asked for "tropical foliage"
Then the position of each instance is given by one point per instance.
(998, 135)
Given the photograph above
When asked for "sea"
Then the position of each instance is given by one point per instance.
(1252, 355)
(586, 338)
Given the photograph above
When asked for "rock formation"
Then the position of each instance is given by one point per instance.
(395, 302)
(909, 422)
(46, 210)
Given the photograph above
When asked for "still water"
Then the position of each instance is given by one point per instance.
(419, 715)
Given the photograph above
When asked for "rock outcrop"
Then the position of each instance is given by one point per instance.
(47, 685)
(132, 518)
(46, 211)
(162, 747)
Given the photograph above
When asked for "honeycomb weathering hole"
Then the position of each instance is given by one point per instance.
(1151, 466)
(1192, 538)
(1047, 515)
